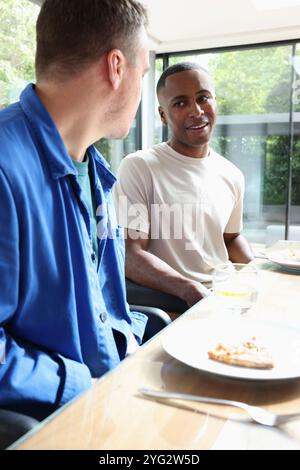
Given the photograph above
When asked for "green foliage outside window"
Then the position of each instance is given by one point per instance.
(258, 81)
(17, 47)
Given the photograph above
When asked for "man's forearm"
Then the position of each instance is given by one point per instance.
(148, 270)
(239, 250)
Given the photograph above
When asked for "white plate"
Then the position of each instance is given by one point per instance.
(282, 258)
(190, 341)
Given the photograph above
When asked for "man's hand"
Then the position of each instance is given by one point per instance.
(193, 292)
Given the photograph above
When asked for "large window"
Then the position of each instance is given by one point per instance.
(258, 129)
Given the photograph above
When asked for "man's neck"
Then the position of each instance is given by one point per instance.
(73, 112)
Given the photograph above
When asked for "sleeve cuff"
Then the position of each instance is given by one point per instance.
(138, 325)
(77, 380)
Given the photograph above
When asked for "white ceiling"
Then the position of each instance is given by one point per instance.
(178, 25)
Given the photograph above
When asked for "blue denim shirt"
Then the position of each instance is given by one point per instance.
(59, 311)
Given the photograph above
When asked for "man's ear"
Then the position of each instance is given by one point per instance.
(115, 67)
(162, 116)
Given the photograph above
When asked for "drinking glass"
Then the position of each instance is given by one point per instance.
(235, 286)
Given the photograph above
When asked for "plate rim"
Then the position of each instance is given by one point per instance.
(240, 375)
(294, 265)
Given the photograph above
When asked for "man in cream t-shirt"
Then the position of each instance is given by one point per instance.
(180, 202)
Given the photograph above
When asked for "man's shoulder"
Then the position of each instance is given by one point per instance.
(13, 128)
(142, 160)
(146, 154)
(226, 165)
(11, 117)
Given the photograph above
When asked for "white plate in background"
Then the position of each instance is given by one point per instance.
(283, 259)
(285, 253)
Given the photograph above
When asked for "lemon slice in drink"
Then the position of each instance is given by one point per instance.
(233, 294)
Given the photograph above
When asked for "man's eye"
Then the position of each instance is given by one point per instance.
(179, 104)
(204, 98)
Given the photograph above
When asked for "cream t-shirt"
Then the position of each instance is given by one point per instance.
(185, 205)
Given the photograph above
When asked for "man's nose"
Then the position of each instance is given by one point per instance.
(196, 110)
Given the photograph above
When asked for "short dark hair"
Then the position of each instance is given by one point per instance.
(176, 68)
(75, 33)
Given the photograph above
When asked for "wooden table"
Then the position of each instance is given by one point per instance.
(111, 415)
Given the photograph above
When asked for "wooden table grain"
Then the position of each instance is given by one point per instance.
(111, 415)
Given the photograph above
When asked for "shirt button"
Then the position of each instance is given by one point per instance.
(103, 316)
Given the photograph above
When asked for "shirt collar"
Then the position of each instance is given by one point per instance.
(100, 167)
(51, 143)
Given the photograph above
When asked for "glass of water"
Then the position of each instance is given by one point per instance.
(235, 286)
